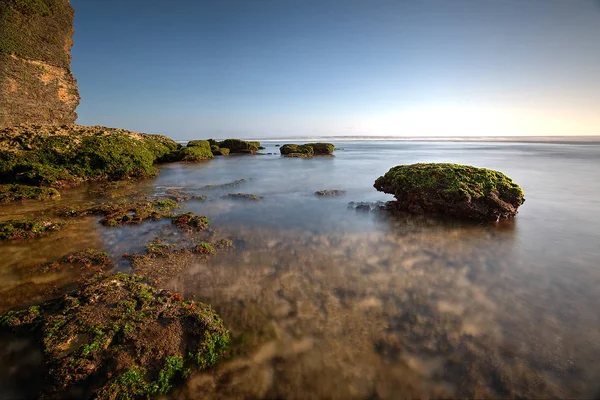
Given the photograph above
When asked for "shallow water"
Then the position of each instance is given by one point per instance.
(332, 303)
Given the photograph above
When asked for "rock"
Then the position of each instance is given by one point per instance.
(460, 191)
(322, 149)
(196, 150)
(9, 193)
(28, 228)
(47, 155)
(131, 339)
(295, 150)
(242, 196)
(221, 152)
(365, 206)
(334, 192)
(36, 82)
(239, 146)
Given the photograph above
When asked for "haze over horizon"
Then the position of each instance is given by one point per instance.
(277, 68)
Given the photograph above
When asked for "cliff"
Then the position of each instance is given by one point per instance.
(36, 83)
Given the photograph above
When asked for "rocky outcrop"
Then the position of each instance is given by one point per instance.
(307, 150)
(450, 189)
(36, 82)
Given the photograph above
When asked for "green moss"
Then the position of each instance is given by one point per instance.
(198, 152)
(295, 150)
(27, 228)
(9, 193)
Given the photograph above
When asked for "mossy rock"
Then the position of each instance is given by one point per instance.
(28, 228)
(198, 151)
(297, 150)
(128, 338)
(64, 156)
(322, 149)
(238, 146)
(221, 152)
(9, 193)
(455, 190)
(191, 221)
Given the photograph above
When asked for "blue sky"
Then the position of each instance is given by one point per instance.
(273, 68)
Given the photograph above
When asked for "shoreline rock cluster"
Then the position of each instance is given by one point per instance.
(307, 150)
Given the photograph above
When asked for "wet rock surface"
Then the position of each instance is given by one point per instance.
(454, 190)
(118, 337)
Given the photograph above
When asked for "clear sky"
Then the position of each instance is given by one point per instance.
(272, 68)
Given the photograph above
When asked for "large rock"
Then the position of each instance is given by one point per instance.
(296, 150)
(450, 189)
(49, 155)
(238, 146)
(120, 338)
(36, 82)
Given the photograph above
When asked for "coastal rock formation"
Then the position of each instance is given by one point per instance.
(129, 338)
(295, 150)
(196, 150)
(334, 192)
(239, 146)
(36, 82)
(307, 150)
(450, 189)
(47, 155)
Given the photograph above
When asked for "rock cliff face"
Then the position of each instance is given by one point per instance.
(36, 83)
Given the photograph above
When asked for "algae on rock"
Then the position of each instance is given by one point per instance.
(132, 339)
(450, 189)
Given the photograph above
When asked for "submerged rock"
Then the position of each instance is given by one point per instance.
(9, 193)
(450, 189)
(28, 228)
(242, 196)
(129, 338)
(334, 192)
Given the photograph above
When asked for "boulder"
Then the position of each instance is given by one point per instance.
(129, 338)
(460, 191)
(196, 150)
(322, 149)
(295, 150)
(238, 146)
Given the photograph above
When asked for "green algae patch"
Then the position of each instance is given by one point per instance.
(296, 150)
(242, 196)
(220, 151)
(129, 338)
(10, 193)
(450, 189)
(205, 248)
(28, 228)
(191, 221)
(46, 155)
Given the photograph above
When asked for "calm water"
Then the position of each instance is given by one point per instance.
(332, 303)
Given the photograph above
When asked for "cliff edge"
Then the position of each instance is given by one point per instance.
(36, 83)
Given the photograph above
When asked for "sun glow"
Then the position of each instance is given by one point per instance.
(475, 121)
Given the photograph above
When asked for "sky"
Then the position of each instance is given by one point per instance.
(283, 68)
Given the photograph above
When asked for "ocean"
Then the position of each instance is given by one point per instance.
(334, 303)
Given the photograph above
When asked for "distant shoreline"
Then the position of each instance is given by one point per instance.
(508, 139)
